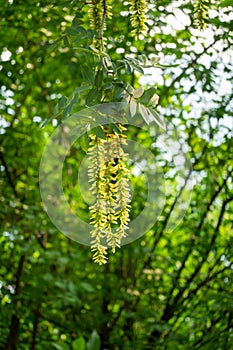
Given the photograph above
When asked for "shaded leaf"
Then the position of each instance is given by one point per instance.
(94, 342)
(78, 344)
(84, 142)
(98, 131)
(63, 102)
(87, 287)
(99, 78)
(72, 31)
(60, 346)
(92, 96)
(67, 41)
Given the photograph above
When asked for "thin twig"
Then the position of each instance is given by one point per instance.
(102, 34)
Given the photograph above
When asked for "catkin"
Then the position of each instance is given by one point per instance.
(109, 183)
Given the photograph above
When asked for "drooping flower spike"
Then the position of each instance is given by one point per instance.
(109, 178)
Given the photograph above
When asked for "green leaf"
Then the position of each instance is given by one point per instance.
(68, 110)
(133, 107)
(82, 88)
(114, 68)
(56, 42)
(84, 142)
(167, 65)
(108, 86)
(138, 92)
(78, 344)
(48, 277)
(61, 346)
(99, 78)
(56, 110)
(154, 100)
(154, 60)
(72, 31)
(147, 96)
(94, 342)
(80, 30)
(90, 34)
(225, 3)
(142, 59)
(144, 113)
(158, 120)
(99, 132)
(87, 287)
(129, 89)
(135, 65)
(128, 68)
(63, 102)
(88, 75)
(100, 53)
(118, 82)
(92, 96)
(67, 42)
(116, 129)
(119, 92)
(84, 50)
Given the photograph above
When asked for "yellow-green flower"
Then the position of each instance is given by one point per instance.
(201, 13)
(109, 178)
(138, 9)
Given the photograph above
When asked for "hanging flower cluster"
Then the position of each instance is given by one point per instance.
(97, 11)
(109, 178)
(138, 10)
(201, 13)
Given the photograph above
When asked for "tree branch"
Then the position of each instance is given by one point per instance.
(8, 174)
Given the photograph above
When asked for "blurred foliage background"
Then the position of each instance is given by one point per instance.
(167, 290)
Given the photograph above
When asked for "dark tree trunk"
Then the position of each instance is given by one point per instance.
(35, 327)
(13, 335)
